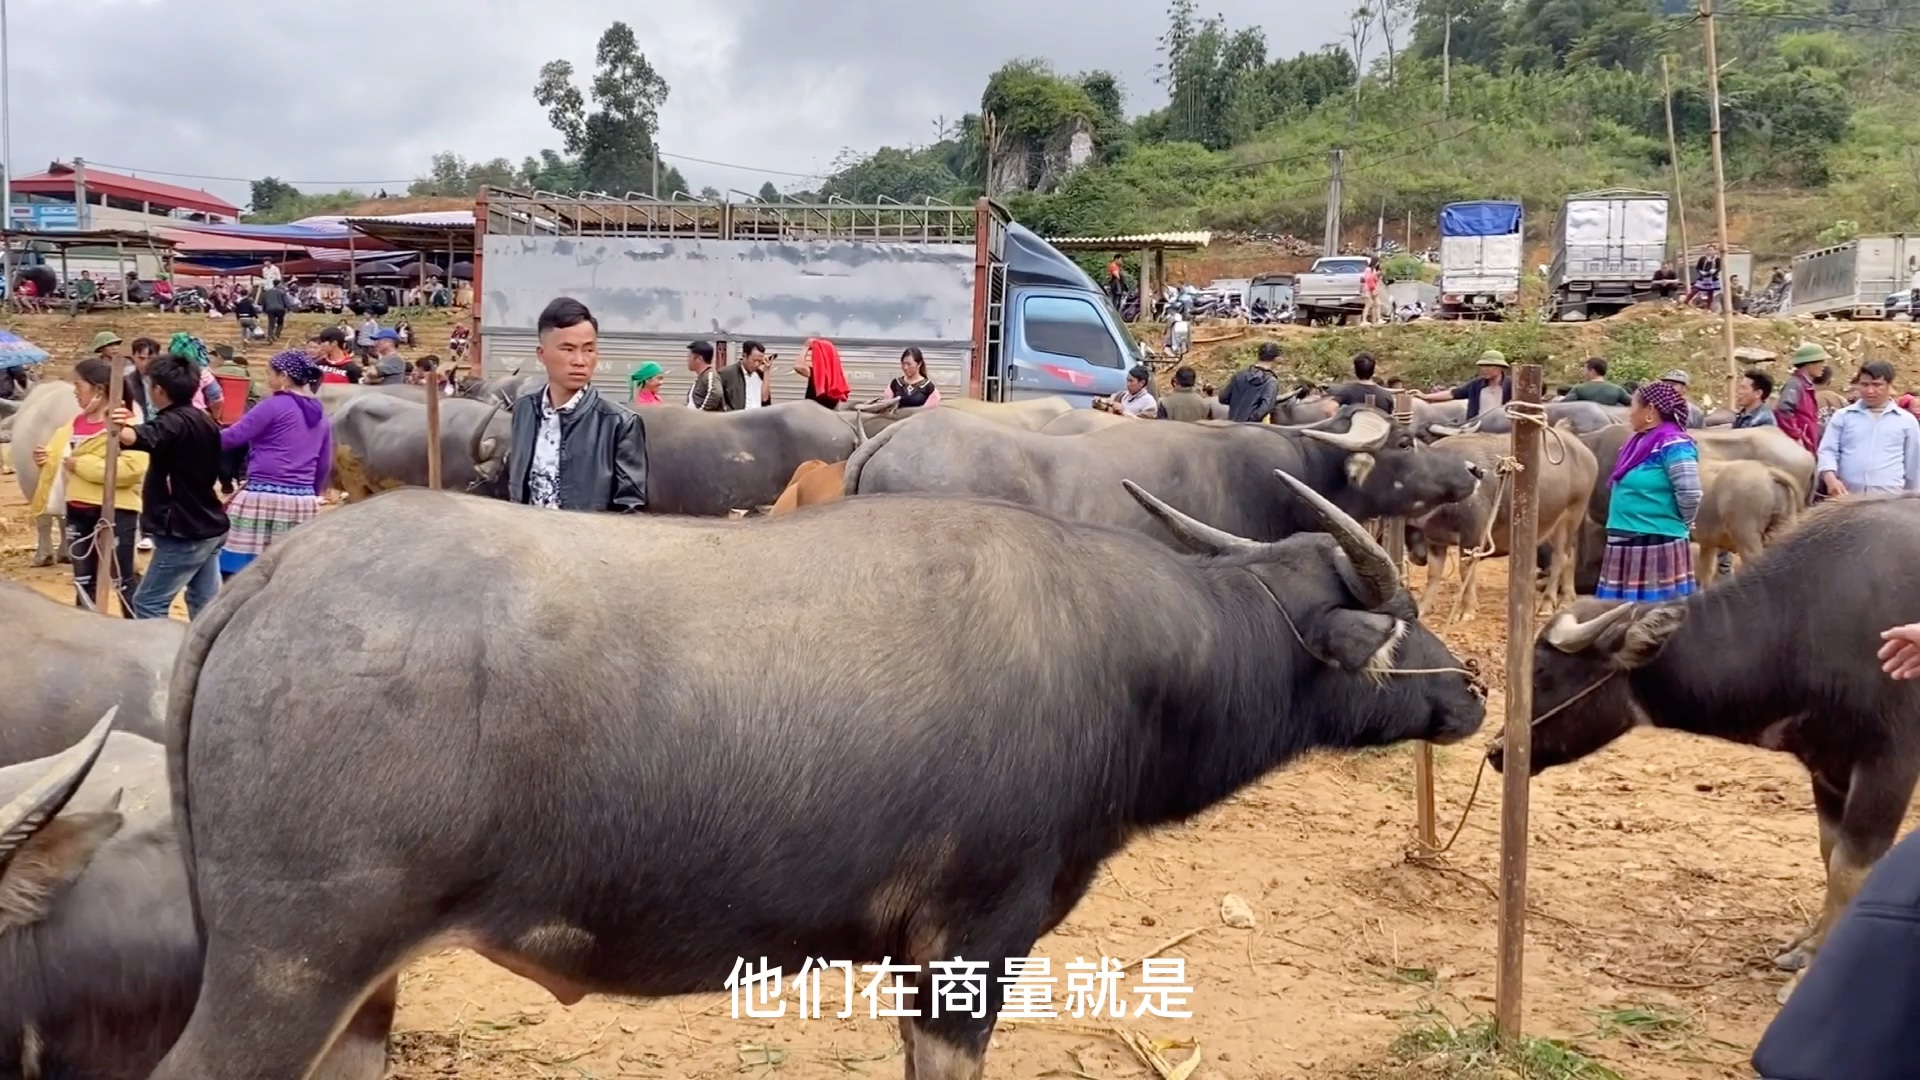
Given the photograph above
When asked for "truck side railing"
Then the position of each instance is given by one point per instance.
(541, 213)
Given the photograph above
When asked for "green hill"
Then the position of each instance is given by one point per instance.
(1527, 99)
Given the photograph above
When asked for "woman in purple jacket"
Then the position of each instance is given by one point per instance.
(290, 451)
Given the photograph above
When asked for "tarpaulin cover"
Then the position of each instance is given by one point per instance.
(1480, 219)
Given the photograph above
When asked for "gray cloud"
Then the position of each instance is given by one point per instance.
(358, 91)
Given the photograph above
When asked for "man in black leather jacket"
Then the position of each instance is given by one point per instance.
(571, 449)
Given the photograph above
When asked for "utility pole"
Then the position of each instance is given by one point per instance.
(1446, 58)
(80, 194)
(1673, 155)
(1336, 162)
(1720, 197)
(656, 171)
(6, 159)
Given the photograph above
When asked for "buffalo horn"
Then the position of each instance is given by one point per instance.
(1368, 432)
(1445, 431)
(37, 805)
(1569, 635)
(1370, 561)
(1197, 535)
(8, 406)
(480, 433)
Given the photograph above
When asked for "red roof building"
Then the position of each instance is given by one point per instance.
(158, 198)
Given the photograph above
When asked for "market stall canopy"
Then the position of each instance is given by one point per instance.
(433, 230)
(306, 234)
(16, 351)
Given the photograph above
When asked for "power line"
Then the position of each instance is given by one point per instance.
(134, 169)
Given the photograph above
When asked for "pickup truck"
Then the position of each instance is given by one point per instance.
(1331, 290)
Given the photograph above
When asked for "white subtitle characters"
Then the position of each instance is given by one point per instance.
(961, 987)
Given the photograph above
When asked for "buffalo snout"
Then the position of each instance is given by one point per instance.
(1474, 468)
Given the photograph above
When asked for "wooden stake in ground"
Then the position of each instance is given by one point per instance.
(1426, 833)
(104, 547)
(1720, 199)
(432, 384)
(1673, 155)
(1529, 419)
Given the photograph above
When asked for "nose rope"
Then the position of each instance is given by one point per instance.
(1471, 672)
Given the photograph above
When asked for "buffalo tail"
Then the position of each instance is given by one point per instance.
(864, 453)
(201, 634)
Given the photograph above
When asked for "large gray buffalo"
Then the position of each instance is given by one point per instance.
(1214, 470)
(1783, 657)
(1567, 475)
(599, 832)
(380, 442)
(1583, 417)
(705, 464)
(47, 408)
(66, 666)
(99, 959)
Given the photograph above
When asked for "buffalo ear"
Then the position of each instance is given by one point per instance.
(1359, 467)
(1648, 634)
(51, 860)
(1353, 639)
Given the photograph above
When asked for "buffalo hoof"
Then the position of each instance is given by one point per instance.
(43, 560)
(1794, 959)
(1792, 985)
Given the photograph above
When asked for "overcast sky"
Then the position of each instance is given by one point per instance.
(361, 92)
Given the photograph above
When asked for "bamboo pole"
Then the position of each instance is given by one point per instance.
(1720, 200)
(1673, 155)
(432, 383)
(104, 547)
(1517, 771)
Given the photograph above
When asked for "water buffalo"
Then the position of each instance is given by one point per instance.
(99, 959)
(380, 443)
(1031, 414)
(708, 464)
(47, 408)
(1081, 421)
(814, 483)
(1763, 444)
(1782, 656)
(1744, 506)
(1584, 418)
(66, 666)
(1213, 470)
(1567, 475)
(601, 833)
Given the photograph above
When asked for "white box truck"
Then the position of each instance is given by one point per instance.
(1480, 258)
(1851, 280)
(1607, 247)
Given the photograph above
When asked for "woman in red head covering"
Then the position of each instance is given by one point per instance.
(819, 364)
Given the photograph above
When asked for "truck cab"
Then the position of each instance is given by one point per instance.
(1062, 336)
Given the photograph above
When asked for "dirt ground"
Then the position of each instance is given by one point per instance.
(1664, 873)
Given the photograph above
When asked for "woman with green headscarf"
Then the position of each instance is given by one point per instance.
(646, 380)
(192, 349)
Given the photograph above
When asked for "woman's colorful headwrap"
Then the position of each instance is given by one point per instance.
(295, 364)
(187, 347)
(1666, 399)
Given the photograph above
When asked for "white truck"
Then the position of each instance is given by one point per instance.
(1852, 280)
(1607, 247)
(1480, 258)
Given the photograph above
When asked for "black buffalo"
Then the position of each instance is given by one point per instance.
(601, 821)
(1784, 656)
(1213, 470)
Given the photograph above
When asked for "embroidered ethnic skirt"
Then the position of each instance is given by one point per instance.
(1646, 569)
(259, 515)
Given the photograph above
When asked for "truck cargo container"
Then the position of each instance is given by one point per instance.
(997, 312)
(1607, 247)
(1480, 258)
(1851, 280)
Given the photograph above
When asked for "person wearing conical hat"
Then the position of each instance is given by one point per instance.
(1798, 411)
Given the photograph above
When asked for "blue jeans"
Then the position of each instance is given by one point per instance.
(190, 564)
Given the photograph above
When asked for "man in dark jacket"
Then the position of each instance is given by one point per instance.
(744, 384)
(178, 507)
(1253, 395)
(274, 303)
(571, 449)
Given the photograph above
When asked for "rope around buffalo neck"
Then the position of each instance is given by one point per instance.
(1471, 673)
(1481, 774)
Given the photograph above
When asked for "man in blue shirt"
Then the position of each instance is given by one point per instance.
(1871, 445)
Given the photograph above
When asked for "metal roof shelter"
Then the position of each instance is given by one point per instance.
(63, 242)
(58, 180)
(450, 230)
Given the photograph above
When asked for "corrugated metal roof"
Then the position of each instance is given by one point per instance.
(58, 180)
(1139, 240)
